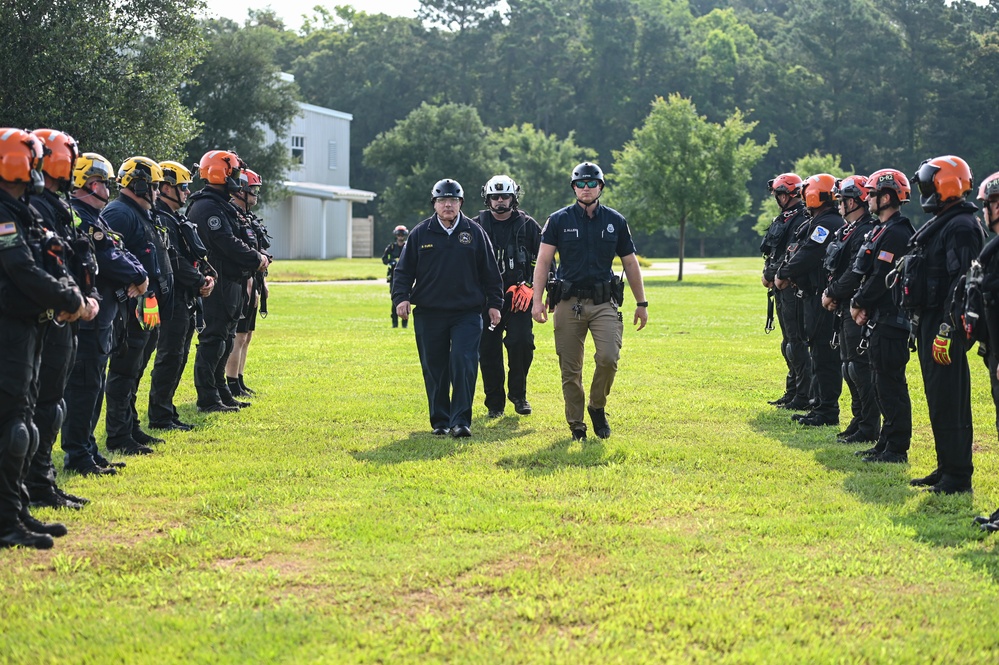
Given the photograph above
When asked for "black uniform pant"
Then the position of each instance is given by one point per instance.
(58, 355)
(448, 343)
(827, 371)
(172, 351)
(948, 396)
(889, 351)
(516, 332)
(84, 397)
(991, 361)
(859, 379)
(215, 341)
(19, 367)
(124, 374)
(790, 313)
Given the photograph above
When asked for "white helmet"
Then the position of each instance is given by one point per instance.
(501, 184)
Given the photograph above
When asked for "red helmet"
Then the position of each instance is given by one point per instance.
(21, 158)
(852, 187)
(400, 231)
(61, 152)
(818, 190)
(252, 178)
(942, 179)
(892, 179)
(989, 187)
(221, 167)
(785, 183)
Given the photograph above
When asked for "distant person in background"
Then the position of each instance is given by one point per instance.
(448, 273)
(390, 257)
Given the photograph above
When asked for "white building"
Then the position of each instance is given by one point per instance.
(316, 221)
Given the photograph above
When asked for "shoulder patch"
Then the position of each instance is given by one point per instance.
(9, 237)
(215, 222)
(887, 257)
(8, 228)
(819, 235)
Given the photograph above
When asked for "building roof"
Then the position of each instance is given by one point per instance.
(322, 110)
(329, 192)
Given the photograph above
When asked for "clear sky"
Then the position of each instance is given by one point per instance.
(291, 11)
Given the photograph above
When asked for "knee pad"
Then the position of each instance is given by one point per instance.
(15, 438)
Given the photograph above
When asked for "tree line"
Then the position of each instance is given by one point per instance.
(885, 83)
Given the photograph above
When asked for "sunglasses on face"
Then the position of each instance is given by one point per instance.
(184, 187)
(583, 184)
(499, 197)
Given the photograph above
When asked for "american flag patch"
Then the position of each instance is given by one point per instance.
(886, 256)
(7, 228)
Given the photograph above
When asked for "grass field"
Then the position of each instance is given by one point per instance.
(325, 524)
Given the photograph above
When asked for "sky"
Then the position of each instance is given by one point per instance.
(291, 11)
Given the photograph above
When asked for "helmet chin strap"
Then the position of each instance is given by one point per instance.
(502, 209)
(97, 196)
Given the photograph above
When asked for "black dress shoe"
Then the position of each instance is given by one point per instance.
(91, 470)
(72, 497)
(235, 403)
(144, 439)
(54, 529)
(889, 457)
(849, 431)
(927, 481)
(951, 485)
(440, 431)
(129, 448)
(994, 517)
(599, 419)
(868, 452)
(217, 407)
(857, 437)
(461, 432)
(180, 427)
(818, 421)
(18, 535)
(794, 405)
(522, 406)
(105, 463)
(578, 434)
(990, 527)
(798, 417)
(780, 401)
(493, 413)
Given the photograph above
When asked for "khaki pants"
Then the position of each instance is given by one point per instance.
(607, 331)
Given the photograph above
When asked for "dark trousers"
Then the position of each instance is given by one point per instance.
(19, 367)
(215, 341)
(827, 371)
(84, 397)
(790, 314)
(991, 361)
(58, 355)
(516, 332)
(948, 396)
(448, 343)
(859, 379)
(889, 351)
(172, 351)
(125, 371)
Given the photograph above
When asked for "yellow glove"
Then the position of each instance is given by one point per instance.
(523, 297)
(147, 311)
(941, 345)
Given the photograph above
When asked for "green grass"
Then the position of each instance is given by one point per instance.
(325, 524)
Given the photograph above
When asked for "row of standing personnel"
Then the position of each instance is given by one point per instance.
(856, 288)
(473, 285)
(89, 289)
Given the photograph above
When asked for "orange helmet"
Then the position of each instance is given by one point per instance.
(221, 167)
(891, 179)
(61, 152)
(989, 187)
(21, 158)
(942, 179)
(852, 187)
(785, 183)
(818, 190)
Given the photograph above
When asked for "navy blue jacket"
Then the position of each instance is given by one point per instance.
(187, 277)
(219, 228)
(587, 246)
(448, 272)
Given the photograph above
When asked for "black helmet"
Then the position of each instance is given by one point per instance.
(447, 189)
(587, 171)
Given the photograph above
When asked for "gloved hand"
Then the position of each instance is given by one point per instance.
(941, 345)
(522, 297)
(147, 311)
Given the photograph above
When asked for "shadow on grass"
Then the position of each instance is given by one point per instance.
(561, 454)
(418, 446)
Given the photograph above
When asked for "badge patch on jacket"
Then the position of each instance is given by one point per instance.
(610, 228)
(214, 223)
(887, 257)
(820, 234)
(465, 238)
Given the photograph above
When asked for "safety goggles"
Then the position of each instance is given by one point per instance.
(500, 197)
(583, 184)
(254, 190)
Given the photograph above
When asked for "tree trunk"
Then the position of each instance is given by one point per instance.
(683, 234)
(702, 248)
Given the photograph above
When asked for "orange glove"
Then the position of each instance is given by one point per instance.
(523, 297)
(147, 310)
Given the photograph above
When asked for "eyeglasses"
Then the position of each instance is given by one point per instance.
(499, 197)
(583, 184)
(448, 201)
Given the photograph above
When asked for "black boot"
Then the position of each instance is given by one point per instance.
(599, 419)
(246, 391)
(18, 535)
(234, 388)
(54, 529)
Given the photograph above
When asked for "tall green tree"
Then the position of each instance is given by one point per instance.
(680, 169)
(106, 73)
(237, 95)
(431, 143)
(541, 164)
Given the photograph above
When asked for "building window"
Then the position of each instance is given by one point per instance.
(332, 156)
(298, 150)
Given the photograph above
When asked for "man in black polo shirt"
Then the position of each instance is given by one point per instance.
(448, 271)
(588, 236)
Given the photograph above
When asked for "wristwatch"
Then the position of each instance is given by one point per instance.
(644, 303)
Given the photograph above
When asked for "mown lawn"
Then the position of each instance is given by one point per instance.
(325, 524)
